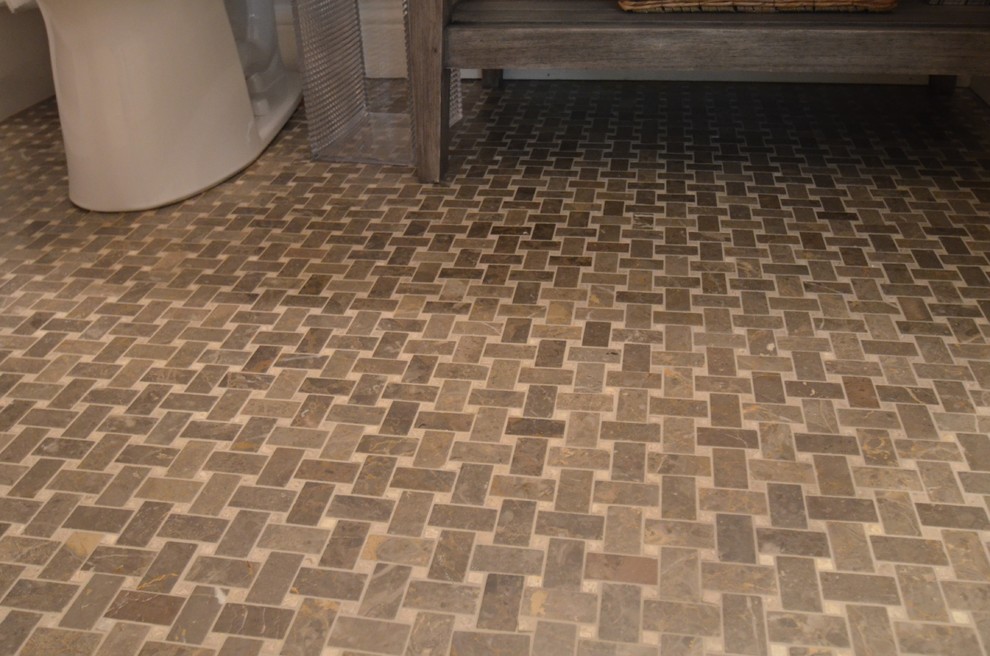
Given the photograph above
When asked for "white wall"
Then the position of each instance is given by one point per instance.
(25, 70)
(383, 35)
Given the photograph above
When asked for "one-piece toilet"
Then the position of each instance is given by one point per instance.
(162, 99)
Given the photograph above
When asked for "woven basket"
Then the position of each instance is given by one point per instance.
(653, 6)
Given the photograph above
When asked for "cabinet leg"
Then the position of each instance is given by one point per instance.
(491, 78)
(429, 86)
(942, 85)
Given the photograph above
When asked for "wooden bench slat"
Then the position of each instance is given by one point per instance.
(759, 49)
(917, 38)
(917, 13)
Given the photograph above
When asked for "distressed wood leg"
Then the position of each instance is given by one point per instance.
(942, 85)
(491, 78)
(429, 86)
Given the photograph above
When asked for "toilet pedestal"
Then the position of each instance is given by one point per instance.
(152, 100)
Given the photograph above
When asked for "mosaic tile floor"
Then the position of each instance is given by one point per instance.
(666, 369)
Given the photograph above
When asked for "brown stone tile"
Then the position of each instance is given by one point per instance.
(328, 584)
(368, 635)
(386, 587)
(908, 550)
(254, 621)
(193, 624)
(451, 557)
(791, 542)
(897, 513)
(242, 533)
(921, 593)
(431, 634)
(966, 595)
(621, 612)
(443, 597)
(60, 641)
(123, 639)
(145, 607)
(51, 516)
(310, 504)
(850, 549)
(599, 648)
(729, 468)
(401, 550)
(841, 509)
(743, 624)
(462, 517)
(425, 480)
(272, 582)
(507, 560)
(15, 629)
(967, 555)
(570, 525)
(695, 535)
(310, 629)
(26, 551)
(515, 522)
(103, 520)
(345, 544)
(554, 639)
(936, 639)
(622, 569)
(813, 629)
(786, 503)
(92, 601)
(193, 528)
(466, 643)
(799, 589)
(500, 602)
(472, 484)
(678, 498)
(864, 588)
(949, 516)
(734, 537)
(676, 617)
(42, 596)
(870, 630)
(728, 577)
(940, 482)
(628, 494)
(574, 491)
(560, 604)
(168, 566)
(623, 530)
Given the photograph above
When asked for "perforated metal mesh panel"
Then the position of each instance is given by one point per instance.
(350, 116)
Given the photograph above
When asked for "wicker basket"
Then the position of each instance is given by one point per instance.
(652, 6)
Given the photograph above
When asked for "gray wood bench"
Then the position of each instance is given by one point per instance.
(915, 39)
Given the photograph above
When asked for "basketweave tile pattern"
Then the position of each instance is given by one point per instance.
(678, 369)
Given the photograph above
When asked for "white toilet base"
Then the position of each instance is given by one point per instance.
(152, 100)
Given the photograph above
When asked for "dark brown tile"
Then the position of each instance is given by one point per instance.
(311, 627)
(193, 624)
(368, 635)
(621, 612)
(254, 621)
(145, 607)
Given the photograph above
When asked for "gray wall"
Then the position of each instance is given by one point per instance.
(982, 86)
(25, 70)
